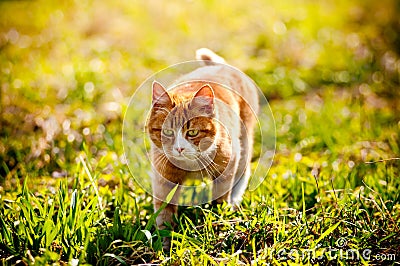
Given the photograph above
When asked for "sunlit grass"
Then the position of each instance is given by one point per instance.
(330, 71)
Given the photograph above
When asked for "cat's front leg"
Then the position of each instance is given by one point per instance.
(161, 189)
(222, 184)
(166, 215)
(165, 218)
(222, 187)
(223, 179)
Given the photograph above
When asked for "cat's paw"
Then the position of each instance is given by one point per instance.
(166, 244)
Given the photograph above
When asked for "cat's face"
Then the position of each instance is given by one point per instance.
(185, 129)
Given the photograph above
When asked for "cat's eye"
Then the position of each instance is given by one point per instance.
(168, 132)
(192, 132)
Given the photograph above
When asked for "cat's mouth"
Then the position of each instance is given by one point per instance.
(186, 157)
(191, 161)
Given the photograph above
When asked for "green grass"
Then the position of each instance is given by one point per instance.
(330, 72)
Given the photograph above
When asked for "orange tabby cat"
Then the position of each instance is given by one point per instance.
(200, 127)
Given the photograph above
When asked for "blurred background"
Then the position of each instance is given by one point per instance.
(68, 69)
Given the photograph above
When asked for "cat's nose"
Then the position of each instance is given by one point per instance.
(180, 150)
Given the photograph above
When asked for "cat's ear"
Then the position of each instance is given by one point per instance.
(160, 95)
(204, 99)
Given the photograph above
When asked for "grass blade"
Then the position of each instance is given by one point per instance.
(326, 233)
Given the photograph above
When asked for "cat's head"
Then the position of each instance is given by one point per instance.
(183, 125)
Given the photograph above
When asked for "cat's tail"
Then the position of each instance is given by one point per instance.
(208, 56)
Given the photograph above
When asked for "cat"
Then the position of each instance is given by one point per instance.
(202, 126)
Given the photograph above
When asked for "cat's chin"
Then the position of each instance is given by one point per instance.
(184, 158)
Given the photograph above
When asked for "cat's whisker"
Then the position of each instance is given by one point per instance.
(162, 109)
(161, 162)
(164, 165)
(159, 159)
(209, 170)
(211, 164)
(205, 168)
